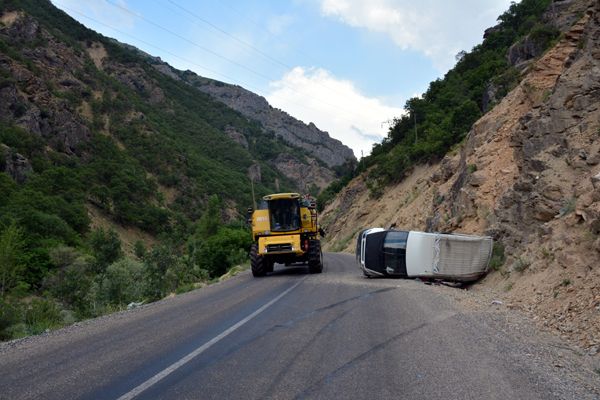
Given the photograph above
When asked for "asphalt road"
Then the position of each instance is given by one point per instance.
(334, 335)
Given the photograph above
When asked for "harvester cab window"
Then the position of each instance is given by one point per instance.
(285, 215)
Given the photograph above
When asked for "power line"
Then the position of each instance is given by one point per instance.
(243, 42)
(150, 44)
(201, 47)
(260, 26)
(231, 79)
(265, 77)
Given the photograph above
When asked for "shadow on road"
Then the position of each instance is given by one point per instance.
(282, 270)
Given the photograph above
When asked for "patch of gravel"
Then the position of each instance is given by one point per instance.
(568, 370)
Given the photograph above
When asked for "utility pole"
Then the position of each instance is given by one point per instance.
(253, 196)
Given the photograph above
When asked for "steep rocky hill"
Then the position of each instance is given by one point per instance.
(325, 153)
(528, 173)
(331, 151)
(68, 86)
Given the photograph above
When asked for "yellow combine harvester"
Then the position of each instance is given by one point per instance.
(285, 230)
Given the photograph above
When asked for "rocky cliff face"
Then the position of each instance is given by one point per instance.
(529, 175)
(321, 152)
(28, 99)
(325, 148)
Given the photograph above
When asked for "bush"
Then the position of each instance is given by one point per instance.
(123, 282)
(72, 280)
(220, 252)
(42, 314)
(156, 264)
(11, 267)
(10, 315)
(521, 264)
(498, 258)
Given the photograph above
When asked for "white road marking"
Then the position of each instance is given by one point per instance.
(170, 369)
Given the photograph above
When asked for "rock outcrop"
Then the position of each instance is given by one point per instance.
(14, 164)
(31, 99)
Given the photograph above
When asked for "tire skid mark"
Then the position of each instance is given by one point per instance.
(270, 390)
(328, 378)
(309, 314)
(290, 323)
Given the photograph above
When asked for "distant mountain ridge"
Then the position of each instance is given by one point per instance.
(307, 136)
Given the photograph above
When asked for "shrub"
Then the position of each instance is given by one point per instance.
(42, 314)
(521, 264)
(498, 258)
(11, 247)
(156, 264)
(10, 315)
(72, 280)
(568, 207)
(123, 282)
(139, 249)
(220, 252)
(211, 219)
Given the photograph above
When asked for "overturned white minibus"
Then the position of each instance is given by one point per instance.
(411, 254)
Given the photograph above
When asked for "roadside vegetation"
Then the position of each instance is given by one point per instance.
(49, 279)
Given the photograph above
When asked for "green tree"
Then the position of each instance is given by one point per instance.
(7, 186)
(42, 314)
(221, 251)
(211, 219)
(123, 282)
(72, 279)
(106, 247)
(156, 264)
(10, 315)
(11, 247)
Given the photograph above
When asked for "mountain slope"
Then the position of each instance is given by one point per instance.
(527, 174)
(82, 98)
(308, 137)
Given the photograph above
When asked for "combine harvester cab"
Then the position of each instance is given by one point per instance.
(411, 254)
(285, 230)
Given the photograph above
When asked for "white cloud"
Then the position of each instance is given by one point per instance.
(99, 10)
(334, 105)
(439, 29)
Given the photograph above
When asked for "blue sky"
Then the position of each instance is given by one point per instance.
(347, 65)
